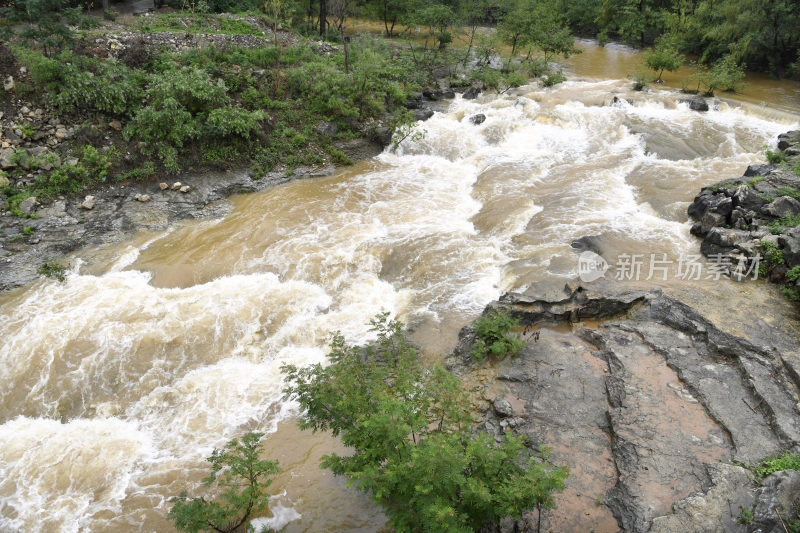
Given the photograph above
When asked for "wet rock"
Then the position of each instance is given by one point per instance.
(422, 114)
(790, 138)
(588, 242)
(781, 207)
(779, 493)
(757, 170)
(697, 103)
(28, 205)
(88, 203)
(471, 93)
(502, 408)
(480, 118)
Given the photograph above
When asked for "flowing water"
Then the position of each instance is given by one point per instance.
(116, 384)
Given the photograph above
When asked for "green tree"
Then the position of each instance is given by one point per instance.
(413, 448)
(241, 476)
(664, 56)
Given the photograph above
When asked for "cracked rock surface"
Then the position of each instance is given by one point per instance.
(648, 403)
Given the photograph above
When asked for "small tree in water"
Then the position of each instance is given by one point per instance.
(414, 451)
(243, 479)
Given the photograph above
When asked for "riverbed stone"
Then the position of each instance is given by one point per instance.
(28, 205)
(480, 118)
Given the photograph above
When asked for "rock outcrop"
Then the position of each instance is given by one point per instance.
(754, 219)
(646, 401)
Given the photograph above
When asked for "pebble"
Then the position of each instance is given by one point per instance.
(143, 197)
(177, 186)
(88, 203)
(163, 186)
(185, 188)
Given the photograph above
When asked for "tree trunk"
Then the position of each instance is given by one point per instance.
(323, 15)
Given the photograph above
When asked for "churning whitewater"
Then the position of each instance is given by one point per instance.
(115, 387)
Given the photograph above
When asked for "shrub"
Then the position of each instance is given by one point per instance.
(554, 78)
(492, 332)
(745, 516)
(775, 158)
(413, 450)
(52, 269)
(772, 257)
(227, 121)
(163, 130)
(242, 478)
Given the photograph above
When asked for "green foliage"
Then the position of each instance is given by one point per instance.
(745, 515)
(27, 230)
(780, 225)
(664, 56)
(772, 256)
(52, 269)
(409, 429)
(227, 121)
(240, 479)
(784, 461)
(726, 75)
(793, 274)
(554, 78)
(791, 192)
(492, 336)
(775, 158)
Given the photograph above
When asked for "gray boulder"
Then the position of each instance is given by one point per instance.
(782, 206)
(480, 118)
(698, 103)
(780, 493)
(471, 93)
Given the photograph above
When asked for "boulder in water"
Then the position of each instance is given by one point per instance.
(471, 93)
(480, 118)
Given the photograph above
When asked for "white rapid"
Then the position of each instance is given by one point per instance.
(114, 386)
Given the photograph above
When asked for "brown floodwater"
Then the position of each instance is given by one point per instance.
(117, 383)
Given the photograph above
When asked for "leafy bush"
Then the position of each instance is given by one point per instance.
(52, 269)
(413, 448)
(226, 121)
(492, 332)
(554, 78)
(242, 478)
(772, 257)
(163, 130)
(775, 158)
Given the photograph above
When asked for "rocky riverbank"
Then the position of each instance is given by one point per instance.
(649, 404)
(754, 221)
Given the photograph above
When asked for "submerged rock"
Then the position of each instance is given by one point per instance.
(480, 118)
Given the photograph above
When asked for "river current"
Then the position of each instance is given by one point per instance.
(116, 384)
